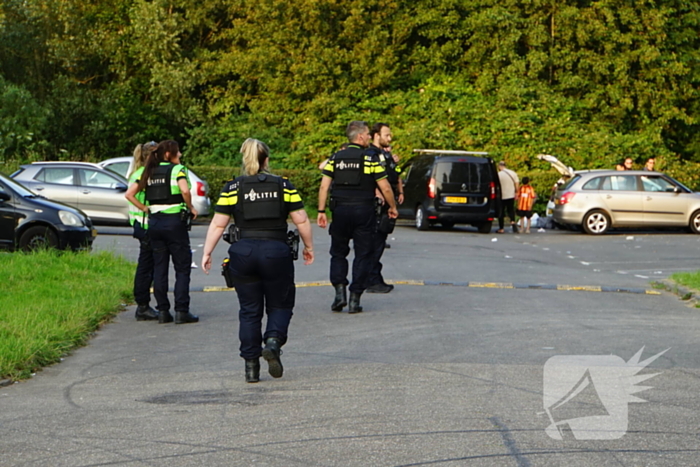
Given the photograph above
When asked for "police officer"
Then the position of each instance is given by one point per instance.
(169, 205)
(143, 278)
(352, 176)
(379, 148)
(261, 260)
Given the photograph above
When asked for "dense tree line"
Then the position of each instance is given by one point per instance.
(588, 81)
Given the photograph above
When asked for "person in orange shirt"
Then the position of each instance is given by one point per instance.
(526, 199)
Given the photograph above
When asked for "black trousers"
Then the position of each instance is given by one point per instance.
(506, 205)
(170, 239)
(143, 278)
(356, 222)
(263, 275)
(374, 276)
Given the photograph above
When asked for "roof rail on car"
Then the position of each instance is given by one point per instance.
(451, 151)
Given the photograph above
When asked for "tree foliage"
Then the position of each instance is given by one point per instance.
(590, 82)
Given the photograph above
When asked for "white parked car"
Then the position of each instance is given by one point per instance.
(200, 188)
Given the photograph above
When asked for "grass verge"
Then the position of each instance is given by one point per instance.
(53, 301)
(687, 279)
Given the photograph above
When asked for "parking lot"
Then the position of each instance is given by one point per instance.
(447, 369)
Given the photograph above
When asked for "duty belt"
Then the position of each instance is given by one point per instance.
(354, 201)
(280, 235)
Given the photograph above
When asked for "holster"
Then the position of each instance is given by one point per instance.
(386, 224)
(186, 217)
(226, 272)
(232, 234)
(293, 243)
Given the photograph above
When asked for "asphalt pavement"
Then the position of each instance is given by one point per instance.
(451, 368)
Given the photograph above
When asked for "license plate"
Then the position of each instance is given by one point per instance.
(94, 233)
(456, 199)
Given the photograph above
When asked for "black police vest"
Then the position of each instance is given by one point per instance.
(349, 177)
(158, 190)
(386, 161)
(260, 204)
(391, 173)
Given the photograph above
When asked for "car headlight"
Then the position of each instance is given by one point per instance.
(68, 218)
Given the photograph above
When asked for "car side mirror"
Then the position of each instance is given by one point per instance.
(5, 196)
(120, 187)
(676, 189)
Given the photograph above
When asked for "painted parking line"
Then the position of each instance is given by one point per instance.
(483, 285)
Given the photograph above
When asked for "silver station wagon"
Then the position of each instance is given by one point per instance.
(599, 200)
(96, 191)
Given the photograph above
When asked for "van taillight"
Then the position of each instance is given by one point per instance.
(431, 188)
(200, 189)
(566, 197)
(492, 186)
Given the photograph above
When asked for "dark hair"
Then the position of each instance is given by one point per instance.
(377, 128)
(156, 157)
(526, 180)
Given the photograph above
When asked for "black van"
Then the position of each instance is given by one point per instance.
(451, 187)
(28, 221)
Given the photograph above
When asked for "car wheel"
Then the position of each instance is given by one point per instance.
(695, 222)
(447, 224)
(39, 237)
(485, 227)
(421, 219)
(596, 222)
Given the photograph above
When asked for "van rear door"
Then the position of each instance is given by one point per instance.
(463, 185)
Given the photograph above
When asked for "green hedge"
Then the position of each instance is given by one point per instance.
(307, 182)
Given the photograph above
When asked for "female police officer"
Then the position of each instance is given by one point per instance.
(169, 204)
(143, 278)
(260, 261)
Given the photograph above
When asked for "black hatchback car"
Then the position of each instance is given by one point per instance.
(451, 187)
(28, 221)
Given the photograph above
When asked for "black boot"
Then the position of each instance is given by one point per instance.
(145, 313)
(380, 287)
(341, 297)
(272, 353)
(252, 370)
(354, 303)
(184, 317)
(165, 317)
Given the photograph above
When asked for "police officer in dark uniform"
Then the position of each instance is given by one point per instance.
(143, 278)
(379, 148)
(169, 205)
(352, 177)
(260, 260)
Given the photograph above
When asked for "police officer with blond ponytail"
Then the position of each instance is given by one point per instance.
(261, 261)
(169, 207)
(143, 278)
